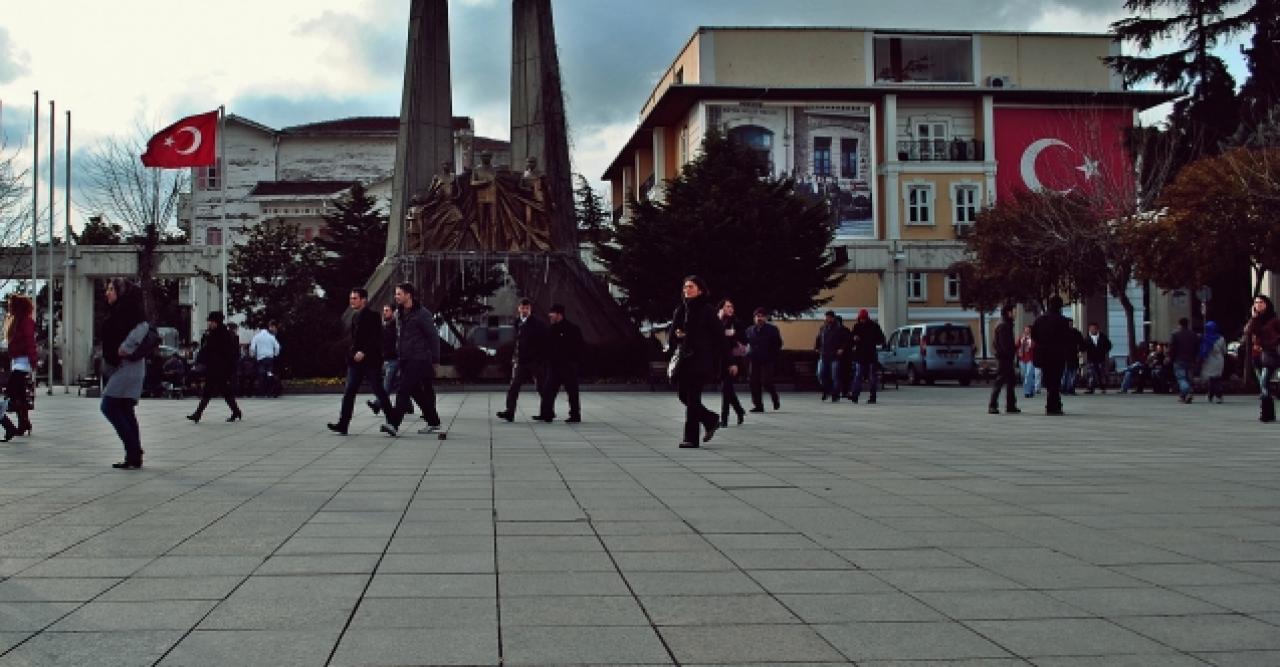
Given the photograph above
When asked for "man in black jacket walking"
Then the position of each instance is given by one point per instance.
(1056, 346)
(1097, 349)
(419, 350)
(564, 350)
(364, 358)
(764, 343)
(526, 360)
(866, 339)
(1006, 349)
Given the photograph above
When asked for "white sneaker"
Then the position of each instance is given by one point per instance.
(428, 429)
(389, 430)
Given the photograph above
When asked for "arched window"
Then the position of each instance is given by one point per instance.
(759, 140)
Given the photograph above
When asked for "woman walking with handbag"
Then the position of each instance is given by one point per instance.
(219, 354)
(122, 334)
(696, 350)
(735, 355)
(20, 333)
(1263, 332)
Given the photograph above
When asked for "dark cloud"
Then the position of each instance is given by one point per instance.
(279, 111)
(12, 64)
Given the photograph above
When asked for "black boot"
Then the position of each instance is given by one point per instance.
(1268, 411)
(9, 430)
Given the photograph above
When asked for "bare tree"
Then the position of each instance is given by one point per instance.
(15, 205)
(142, 199)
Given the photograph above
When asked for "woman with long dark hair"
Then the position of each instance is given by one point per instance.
(122, 333)
(696, 337)
(20, 334)
(1263, 333)
(219, 354)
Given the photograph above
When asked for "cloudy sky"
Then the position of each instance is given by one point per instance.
(127, 64)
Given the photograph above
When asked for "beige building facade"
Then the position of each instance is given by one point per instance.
(896, 130)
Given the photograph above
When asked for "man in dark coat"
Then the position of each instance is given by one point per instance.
(528, 357)
(1056, 345)
(364, 358)
(1184, 350)
(1097, 350)
(830, 345)
(418, 347)
(564, 352)
(218, 355)
(764, 344)
(867, 338)
(1006, 350)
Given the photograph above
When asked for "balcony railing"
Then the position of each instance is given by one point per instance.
(941, 150)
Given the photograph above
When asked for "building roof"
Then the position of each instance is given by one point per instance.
(677, 99)
(361, 125)
(906, 31)
(298, 188)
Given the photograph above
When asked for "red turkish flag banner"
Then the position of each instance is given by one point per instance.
(1065, 150)
(190, 142)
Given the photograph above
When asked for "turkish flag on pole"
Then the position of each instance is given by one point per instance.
(190, 142)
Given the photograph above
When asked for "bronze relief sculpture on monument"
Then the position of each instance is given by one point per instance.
(446, 228)
(484, 209)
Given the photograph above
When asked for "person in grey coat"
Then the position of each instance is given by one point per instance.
(419, 351)
(125, 327)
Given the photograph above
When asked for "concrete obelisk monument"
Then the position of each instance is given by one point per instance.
(449, 230)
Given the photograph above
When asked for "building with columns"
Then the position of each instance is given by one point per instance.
(907, 135)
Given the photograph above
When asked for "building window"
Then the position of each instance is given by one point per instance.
(679, 76)
(920, 204)
(965, 197)
(952, 289)
(822, 156)
(916, 283)
(209, 178)
(683, 156)
(848, 158)
(932, 137)
(308, 233)
(924, 58)
(213, 236)
(759, 140)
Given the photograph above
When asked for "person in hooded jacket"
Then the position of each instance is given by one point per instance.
(219, 354)
(867, 337)
(696, 336)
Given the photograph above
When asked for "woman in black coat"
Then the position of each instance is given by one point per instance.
(219, 354)
(734, 341)
(696, 336)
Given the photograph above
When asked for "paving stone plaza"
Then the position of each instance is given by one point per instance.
(1133, 531)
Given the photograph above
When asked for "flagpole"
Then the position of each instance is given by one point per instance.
(35, 199)
(68, 349)
(219, 163)
(52, 210)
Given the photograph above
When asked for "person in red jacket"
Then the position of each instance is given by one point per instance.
(20, 333)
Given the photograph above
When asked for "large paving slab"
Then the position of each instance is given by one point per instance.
(1135, 530)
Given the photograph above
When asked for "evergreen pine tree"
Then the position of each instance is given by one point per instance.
(353, 243)
(591, 212)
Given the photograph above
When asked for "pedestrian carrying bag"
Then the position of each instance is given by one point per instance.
(150, 343)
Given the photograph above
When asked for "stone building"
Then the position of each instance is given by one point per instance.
(907, 135)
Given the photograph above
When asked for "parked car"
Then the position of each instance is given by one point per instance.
(931, 351)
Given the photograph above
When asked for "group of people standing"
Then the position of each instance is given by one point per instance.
(847, 358)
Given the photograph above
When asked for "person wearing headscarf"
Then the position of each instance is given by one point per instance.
(1213, 356)
(1263, 334)
(122, 333)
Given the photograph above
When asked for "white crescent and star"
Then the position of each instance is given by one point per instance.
(1027, 167)
(195, 140)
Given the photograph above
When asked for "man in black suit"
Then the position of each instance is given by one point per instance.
(1056, 346)
(364, 357)
(526, 361)
(564, 350)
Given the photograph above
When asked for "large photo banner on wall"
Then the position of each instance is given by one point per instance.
(1064, 150)
(829, 150)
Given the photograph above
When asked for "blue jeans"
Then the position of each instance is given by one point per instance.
(864, 371)
(1182, 372)
(1069, 377)
(1028, 379)
(390, 376)
(119, 411)
(830, 377)
(1097, 375)
(1133, 371)
(1265, 375)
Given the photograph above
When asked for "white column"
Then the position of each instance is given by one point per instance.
(659, 159)
(989, 144)
(893, 217)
